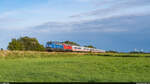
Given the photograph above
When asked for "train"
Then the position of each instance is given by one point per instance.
(62, 47)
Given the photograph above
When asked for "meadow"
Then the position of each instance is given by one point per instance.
(19, 66)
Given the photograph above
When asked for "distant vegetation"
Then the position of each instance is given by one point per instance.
(136, 52)
(90, 46)
(74, 43)
(112, 51)
(132, 52)
(25, 44)
(71, 43)
(66, 42)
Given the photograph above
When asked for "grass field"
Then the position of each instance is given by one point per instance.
(73, 67)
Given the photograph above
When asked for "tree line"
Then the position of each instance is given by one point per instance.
(32, 44)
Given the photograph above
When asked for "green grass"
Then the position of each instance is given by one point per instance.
(72, 67)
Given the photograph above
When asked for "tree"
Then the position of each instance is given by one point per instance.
(71, 43)
(2, 49)
(15, 45)
(25, 43)
(111, 51)
(90, 46)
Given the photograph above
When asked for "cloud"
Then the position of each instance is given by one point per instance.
(92, 21)
(113, 8)
(110, 17)
(124, 24)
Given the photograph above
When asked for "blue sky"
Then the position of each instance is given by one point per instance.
(121, 25)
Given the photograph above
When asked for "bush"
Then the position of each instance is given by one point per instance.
(25, 43)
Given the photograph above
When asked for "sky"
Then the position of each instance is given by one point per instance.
(120, 25)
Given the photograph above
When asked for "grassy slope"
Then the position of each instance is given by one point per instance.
(72, 68)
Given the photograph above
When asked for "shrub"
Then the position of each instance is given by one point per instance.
(25, 43)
